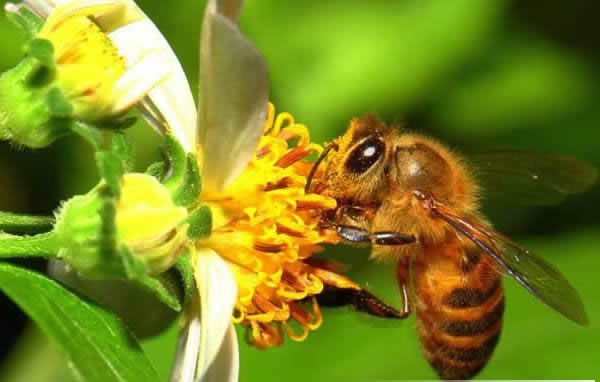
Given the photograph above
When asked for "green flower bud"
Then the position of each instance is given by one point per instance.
(141, 231)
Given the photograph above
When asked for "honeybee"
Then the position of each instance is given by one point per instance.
(417, 203)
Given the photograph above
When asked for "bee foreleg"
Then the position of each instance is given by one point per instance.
(392, 238)
(361, 236)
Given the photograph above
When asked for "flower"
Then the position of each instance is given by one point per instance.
(256, 264)
(105, 57)
(265, 226)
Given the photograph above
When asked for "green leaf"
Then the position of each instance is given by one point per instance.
(15, 223)
(44, 245)
(98, 347)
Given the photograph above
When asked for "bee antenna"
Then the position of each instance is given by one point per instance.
(315, 166)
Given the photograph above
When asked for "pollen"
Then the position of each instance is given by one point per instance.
(267, 229)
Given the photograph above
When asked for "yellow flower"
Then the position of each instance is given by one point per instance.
(265, 226)
(255, 268)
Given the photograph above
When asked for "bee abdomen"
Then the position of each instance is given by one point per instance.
(460, 331)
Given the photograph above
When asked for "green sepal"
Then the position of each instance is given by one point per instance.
(177, 161)
(186, 272)
(57, 103)
(136, 270)
(123, 149)
(26, 106)
(24, 224)
(87, 234)
(161, 292)
(180, 174)
(157, 170)
(188, 193)
(27, 20)
(42, 50)
(40, 62)
(200, 221)
(116, 123)
(90, 133)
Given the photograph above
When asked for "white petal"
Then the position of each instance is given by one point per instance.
(40, 7)
(226, 366)
(188, 347)
(218, 293)
(169, 105)
(138, 80)
(124, 13)
(233, 96)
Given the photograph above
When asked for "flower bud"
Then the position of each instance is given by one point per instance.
(103, 236)
(72, 71)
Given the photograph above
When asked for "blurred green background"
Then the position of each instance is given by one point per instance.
(475, 74)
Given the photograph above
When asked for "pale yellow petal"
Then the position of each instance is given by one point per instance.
(218, 293)
(234, 91)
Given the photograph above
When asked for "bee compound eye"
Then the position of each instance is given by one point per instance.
(365, 155)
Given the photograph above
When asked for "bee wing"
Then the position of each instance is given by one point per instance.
(540, 278)
(234, 91)
(532, 178)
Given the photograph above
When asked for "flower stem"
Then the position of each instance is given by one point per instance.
(44, 245)
(14, 223)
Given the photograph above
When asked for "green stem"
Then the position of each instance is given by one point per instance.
(44, 245)
(14, 223)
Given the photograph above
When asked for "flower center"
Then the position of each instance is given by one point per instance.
(267, 229)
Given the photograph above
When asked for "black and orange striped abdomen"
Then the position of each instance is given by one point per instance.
(459, 307)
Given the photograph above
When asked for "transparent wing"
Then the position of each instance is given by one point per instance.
(233, 96)
(540, 278)
(531, 178)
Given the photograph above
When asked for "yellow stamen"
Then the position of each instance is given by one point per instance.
(266, 228)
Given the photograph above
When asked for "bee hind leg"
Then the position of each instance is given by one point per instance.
(361, 300)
